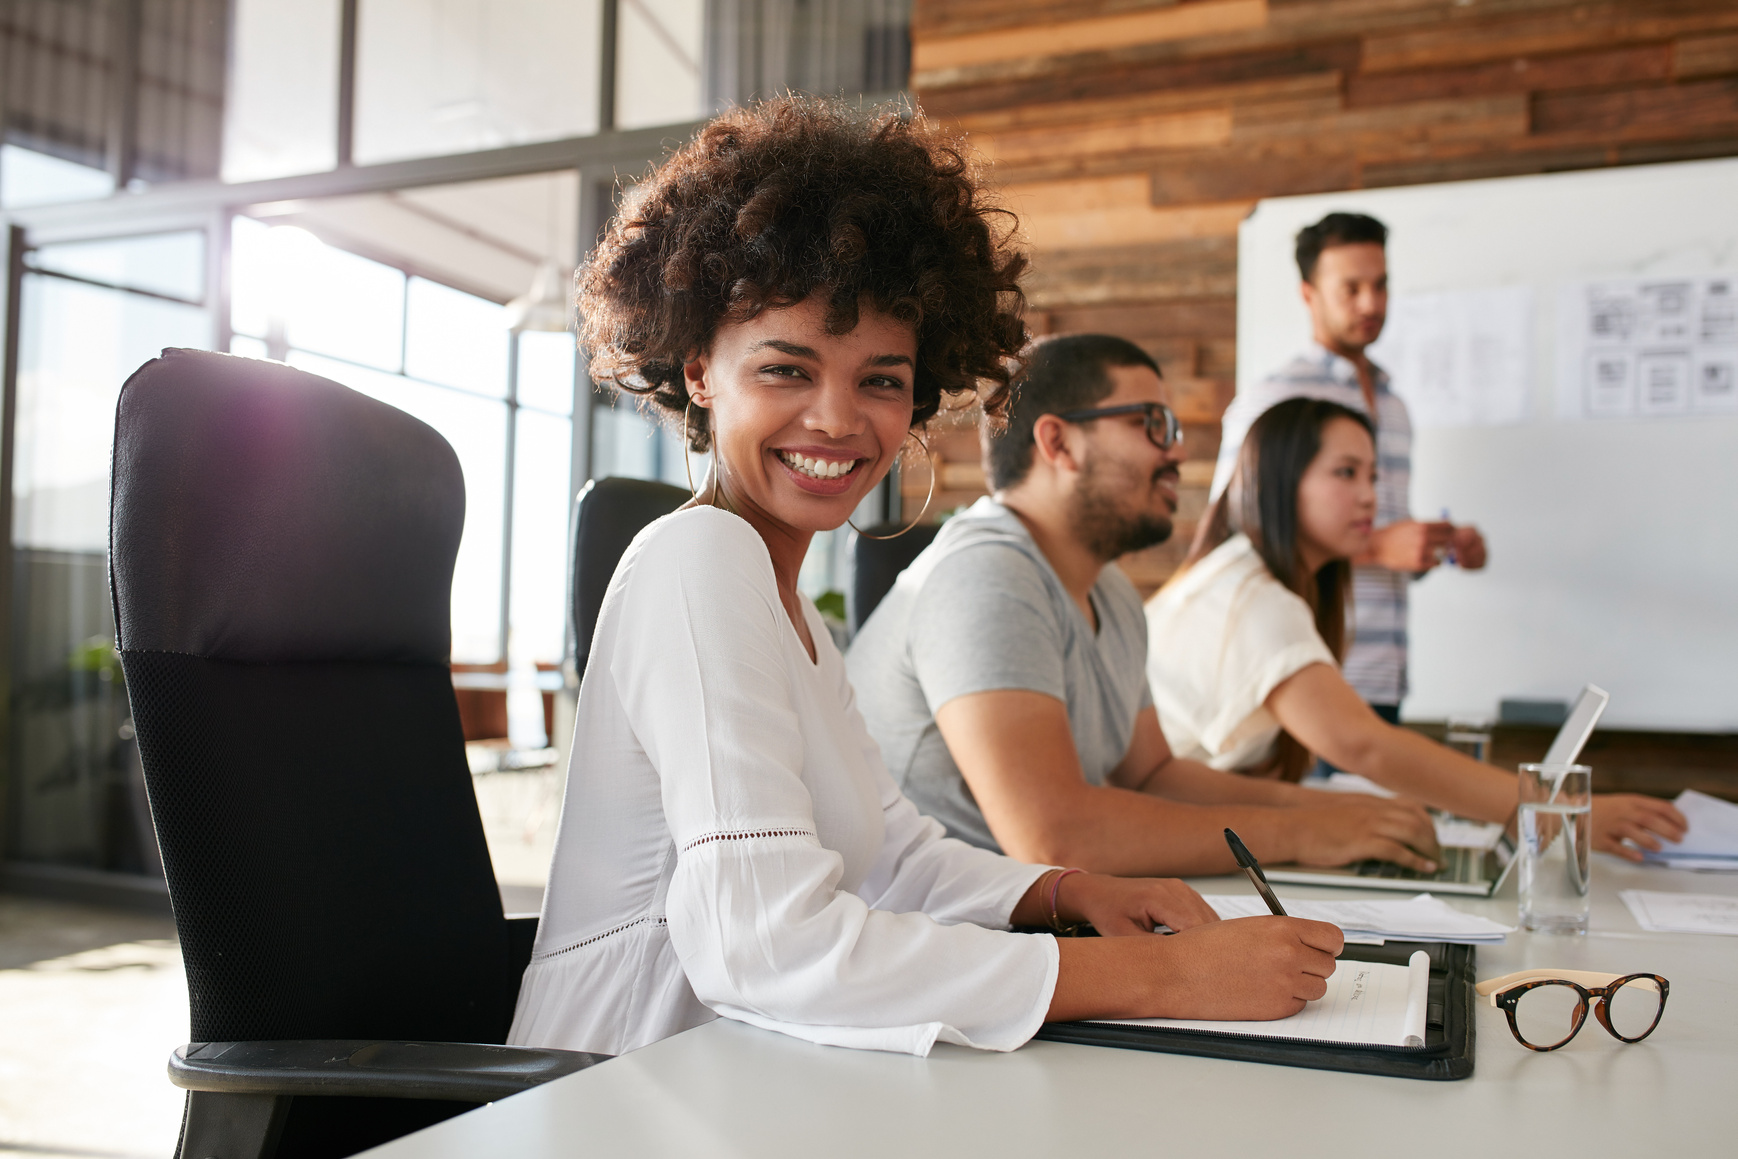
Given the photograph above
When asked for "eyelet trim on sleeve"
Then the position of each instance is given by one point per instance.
(649, 919)
(746, 836)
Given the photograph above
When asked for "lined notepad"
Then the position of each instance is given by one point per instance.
(1367, 1004)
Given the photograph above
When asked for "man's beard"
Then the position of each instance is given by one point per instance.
(1099, 520)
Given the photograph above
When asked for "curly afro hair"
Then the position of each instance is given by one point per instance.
(793, 196)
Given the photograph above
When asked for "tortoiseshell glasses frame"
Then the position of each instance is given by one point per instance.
(1592, 989)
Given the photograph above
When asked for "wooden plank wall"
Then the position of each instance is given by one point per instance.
(1134, 135)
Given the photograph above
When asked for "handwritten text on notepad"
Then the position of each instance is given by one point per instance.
(1367, 1004)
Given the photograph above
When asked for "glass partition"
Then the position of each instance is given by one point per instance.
(28, 177)
(542, 494)
(452, 76)
(659, 48)
(281, 113)
(627, 440)
(171, 265)
(75, 794)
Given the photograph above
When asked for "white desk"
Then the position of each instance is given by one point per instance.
(726, 1089)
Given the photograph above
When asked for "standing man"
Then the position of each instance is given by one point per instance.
(1004, 675)
(1344, 265)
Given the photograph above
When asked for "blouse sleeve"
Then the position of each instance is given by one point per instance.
(1270, 636)
(764, 933)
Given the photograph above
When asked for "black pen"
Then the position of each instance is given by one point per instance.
(1253, 868)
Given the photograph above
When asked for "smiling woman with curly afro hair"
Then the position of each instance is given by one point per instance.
(799, 286)
(772, 203)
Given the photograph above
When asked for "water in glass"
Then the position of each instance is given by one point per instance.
(1555, 841)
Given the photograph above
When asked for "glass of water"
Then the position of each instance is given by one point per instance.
(1556, 835)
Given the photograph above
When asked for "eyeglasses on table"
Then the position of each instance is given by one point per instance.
(1163, 427)
(1547, 1008)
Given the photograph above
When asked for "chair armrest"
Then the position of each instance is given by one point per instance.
(460, 1071)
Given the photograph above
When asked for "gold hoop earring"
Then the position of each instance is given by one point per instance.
(928, 455)
(687, 467)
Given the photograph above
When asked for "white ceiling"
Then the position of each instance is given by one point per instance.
(485, 237)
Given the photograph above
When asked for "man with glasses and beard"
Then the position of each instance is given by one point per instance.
(1004, 675)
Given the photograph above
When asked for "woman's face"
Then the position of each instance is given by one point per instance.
(805, 423)
(1336, 498)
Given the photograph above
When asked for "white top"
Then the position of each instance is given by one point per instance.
(730, 842)
(1376, 658)
(1219, 639)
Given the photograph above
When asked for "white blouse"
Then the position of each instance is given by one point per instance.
(730, 842)
(1220, 638)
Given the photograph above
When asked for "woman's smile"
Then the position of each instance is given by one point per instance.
(819, 470)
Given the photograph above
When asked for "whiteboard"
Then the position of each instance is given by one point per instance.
(1614, 542)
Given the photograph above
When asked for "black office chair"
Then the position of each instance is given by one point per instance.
(607, 515)
(281, 555)
(876, 563)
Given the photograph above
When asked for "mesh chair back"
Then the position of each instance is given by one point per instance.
(876, 563)
(607, 516)
(281, 555)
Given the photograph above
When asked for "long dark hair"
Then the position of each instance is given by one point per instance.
(1261, 502)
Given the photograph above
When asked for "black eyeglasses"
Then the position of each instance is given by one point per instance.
(1547, 1008)
(1162, 426)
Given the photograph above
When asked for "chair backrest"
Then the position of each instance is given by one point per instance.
(281, 557)
(876, 563)
(607, 515)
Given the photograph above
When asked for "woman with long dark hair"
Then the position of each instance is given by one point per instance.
(795, 290)
(1248, 636)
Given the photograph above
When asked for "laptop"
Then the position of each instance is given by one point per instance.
(1478, 871)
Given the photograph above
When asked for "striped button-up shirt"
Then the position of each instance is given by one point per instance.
(1376, 660)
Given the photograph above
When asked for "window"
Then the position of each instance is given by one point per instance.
(31, 178)
(627, 439)
(452, 76)
(86, 326)
(282, 111)
(658, 50)
(81, 341)
(446, 357)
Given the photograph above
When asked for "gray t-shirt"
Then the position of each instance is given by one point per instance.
(982, 610)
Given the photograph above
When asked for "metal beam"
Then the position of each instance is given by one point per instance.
(346, 83)
(604, 153)
(123, 111)
(511, 458)
(12, 244)
(608, 38)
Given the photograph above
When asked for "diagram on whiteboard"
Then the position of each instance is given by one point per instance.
(1460, 358)
(1648, 346)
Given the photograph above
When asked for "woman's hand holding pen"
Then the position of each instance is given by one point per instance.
(1247, 968)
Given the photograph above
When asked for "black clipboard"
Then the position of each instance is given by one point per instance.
(1448, 1036)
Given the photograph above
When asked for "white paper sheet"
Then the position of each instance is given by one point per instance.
(1339, 782)
(1712, 841)
(1423, 918)
(1368, 1003)
(1462, 833)
(1640, 347)
(1682, 913)
(1460, 358)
